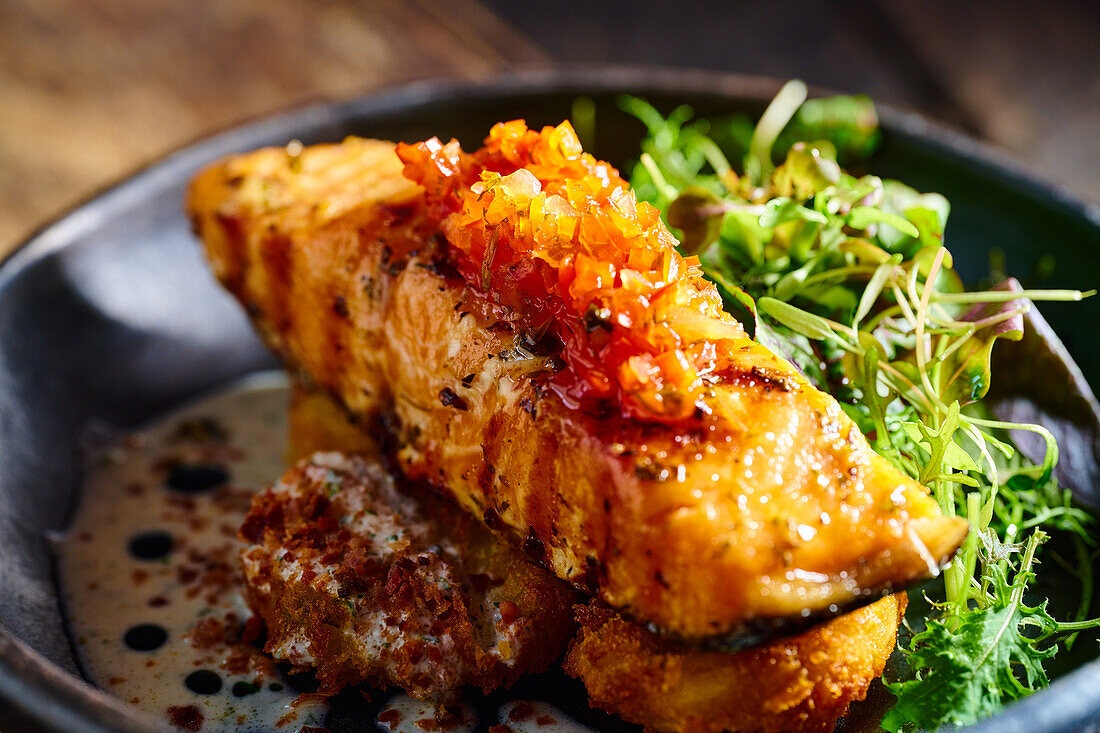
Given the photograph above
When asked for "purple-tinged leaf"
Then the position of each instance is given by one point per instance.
(966, 373)
(1038, 382)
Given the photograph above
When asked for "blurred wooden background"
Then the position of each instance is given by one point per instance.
(91, 89)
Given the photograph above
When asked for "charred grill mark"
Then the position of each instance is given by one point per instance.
(336, 330)
(276, 254)
(397, 215)
(236, 252)
(491, 441)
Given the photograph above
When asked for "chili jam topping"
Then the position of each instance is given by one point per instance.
(556, 235)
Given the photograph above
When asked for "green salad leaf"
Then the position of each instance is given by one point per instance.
(970, 665)
(848, 277)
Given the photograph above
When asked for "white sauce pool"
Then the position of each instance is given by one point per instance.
(154, 567)
(185, 571)
(534, 716)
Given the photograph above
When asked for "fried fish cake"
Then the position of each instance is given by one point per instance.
(368, 583)
(800, 684)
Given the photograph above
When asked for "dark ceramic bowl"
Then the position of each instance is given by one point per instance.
(109, 315)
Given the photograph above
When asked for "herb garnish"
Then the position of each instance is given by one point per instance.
(848, 277)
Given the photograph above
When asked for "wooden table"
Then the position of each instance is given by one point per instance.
(92, 89)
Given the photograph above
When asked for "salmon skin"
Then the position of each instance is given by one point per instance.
(773, 516)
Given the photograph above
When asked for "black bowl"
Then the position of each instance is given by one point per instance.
(110, 315)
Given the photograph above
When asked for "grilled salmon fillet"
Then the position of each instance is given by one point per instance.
(773, 514)
(368, 583)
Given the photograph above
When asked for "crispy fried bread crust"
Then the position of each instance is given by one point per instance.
(800, 684)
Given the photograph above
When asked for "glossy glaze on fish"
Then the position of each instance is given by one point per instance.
(772, 512)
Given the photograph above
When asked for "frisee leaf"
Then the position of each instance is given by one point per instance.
(968, 666)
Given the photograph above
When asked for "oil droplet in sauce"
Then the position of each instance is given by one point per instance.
(152, 591)
(149, 574)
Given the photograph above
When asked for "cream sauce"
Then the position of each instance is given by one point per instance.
(149, 573)
(535, 716)
(403, 714)
(152, 588)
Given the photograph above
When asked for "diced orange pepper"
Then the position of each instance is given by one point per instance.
(570, 243)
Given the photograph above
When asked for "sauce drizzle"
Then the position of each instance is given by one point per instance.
(149, 573)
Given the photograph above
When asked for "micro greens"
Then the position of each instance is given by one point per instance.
(848, 277)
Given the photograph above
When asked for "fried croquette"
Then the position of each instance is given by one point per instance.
(796, 685)
(368, 583)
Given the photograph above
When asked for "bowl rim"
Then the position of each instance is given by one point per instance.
(50, 696)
